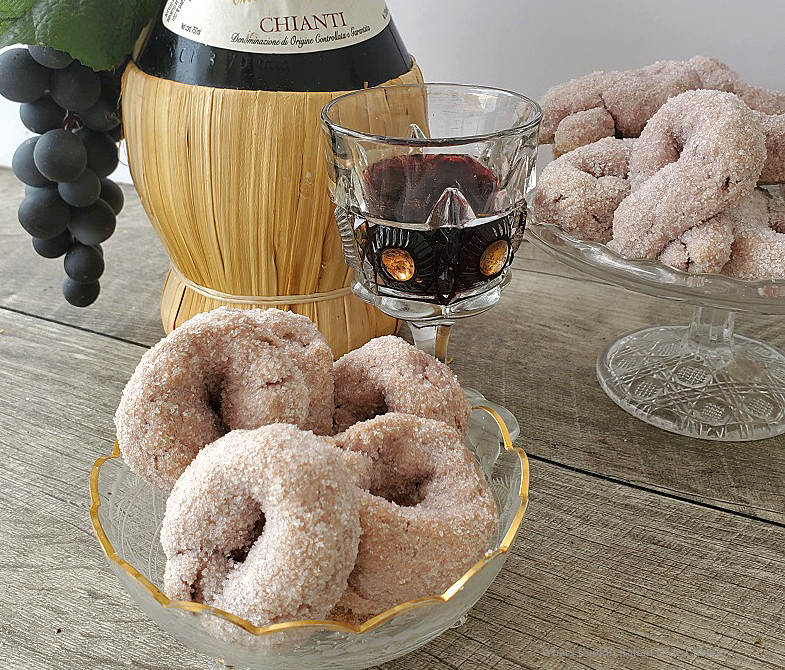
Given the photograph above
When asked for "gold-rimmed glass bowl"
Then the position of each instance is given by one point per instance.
(126, 513)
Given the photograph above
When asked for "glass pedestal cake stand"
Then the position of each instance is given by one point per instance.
(700, 380)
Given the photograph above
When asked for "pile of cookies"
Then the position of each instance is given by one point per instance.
(665, 163)
(303, 488)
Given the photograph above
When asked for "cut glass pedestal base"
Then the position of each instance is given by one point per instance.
(700, 380)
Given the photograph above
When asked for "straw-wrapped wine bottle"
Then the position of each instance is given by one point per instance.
(221, 116)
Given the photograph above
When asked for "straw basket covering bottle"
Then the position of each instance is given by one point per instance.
(221, 116)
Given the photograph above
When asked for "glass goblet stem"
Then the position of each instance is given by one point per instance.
(431, 339)
(711, 333)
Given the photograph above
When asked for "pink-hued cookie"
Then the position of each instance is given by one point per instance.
(426, 511)
(773, 171)
(769, 104)
(219, 371)
(390, 375)
(759, 246)
(583, 128)
(581, 190)
(263, 524)
(699, 154)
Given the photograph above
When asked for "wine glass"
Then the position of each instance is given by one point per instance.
(430, 185)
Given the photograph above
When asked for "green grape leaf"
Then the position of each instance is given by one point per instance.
(100, 33)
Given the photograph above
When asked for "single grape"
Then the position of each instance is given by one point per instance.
(76, 87)
(80, 295)
(112, 194)
(49, 57)
(23, 165)
(44, 213)
(54, 247)
(104, 115)
(22, 79)
(94, 224)
(60, 155)
(42, 115)
(82, 192)
(83, 263)
(102, 155)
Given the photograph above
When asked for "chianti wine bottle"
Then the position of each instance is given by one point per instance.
(221, 116)
(276, 45)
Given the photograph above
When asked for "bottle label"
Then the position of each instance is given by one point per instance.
(277, 26)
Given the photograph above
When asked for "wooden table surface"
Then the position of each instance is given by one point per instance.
(640, 549)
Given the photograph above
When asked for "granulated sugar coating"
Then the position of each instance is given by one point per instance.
(219, 371)
(309, 351)
(263, 524)
(699, 154)
(426, 512)
(758, 248)
(607, 104)
(582, 128)
(388, 374)
(717, 76)
(704, 248)
(770, 106)
(581, 190)
(629, 97)
(774, 169)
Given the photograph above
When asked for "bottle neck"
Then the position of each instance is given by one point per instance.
(282, 46)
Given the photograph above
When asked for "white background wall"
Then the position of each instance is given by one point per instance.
(530, 45)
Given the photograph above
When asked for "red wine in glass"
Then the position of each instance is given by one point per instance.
(430, 257)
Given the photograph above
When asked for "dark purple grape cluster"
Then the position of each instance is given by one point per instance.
(70, 205)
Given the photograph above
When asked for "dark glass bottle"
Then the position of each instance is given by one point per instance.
(275, 45)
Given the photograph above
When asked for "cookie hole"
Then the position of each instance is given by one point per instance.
(241, 553)
(409, 494)
(196, 588)
(214, 395)
(372, 409)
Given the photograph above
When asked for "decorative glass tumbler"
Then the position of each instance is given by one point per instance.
(430, 185)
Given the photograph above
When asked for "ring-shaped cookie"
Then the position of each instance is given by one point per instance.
(263, 524)
(219, 371)
(581, 190)
(759, 245)
(426, 511)
(308, 350)
(702, 152)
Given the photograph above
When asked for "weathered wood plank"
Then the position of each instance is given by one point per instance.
(600, 566)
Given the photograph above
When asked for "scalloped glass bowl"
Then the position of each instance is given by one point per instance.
(700, 380)
(127, 512)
